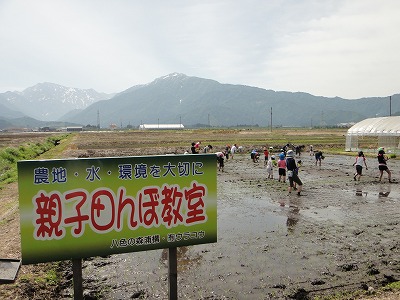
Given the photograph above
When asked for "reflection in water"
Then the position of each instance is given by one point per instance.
(185, 261)
(359, 192)
(293, 215)
(384, 190)
(293, 218)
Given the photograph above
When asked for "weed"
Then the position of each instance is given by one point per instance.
(51, 277)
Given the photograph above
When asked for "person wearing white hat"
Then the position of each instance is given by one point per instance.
(292, 173)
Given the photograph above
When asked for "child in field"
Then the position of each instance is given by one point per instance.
(360, 161)
(382, 159)
(266, 153)
(296, 171)
(270, 167)
(282, 167)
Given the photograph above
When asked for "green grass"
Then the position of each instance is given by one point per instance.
(11, 155)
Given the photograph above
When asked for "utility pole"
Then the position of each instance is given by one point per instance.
(322, 120)
(271, 118)
(390, 106)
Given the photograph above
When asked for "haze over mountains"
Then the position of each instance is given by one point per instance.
(192, 101)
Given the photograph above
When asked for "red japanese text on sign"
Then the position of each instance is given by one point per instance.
(104, 211)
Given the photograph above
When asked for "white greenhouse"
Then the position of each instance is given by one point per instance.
(372, 133)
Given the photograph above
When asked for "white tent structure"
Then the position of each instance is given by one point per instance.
(380, 132)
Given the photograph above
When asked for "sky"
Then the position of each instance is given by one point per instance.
(344, 48)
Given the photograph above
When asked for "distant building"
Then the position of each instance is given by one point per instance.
(74, 128)
(161, 126)
(345, 125)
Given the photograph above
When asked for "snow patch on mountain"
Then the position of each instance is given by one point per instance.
(48, 101)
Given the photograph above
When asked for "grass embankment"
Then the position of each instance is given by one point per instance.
(42, 281)
(10, 155)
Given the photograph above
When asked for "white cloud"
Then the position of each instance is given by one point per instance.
(350, 54)
(329, 48)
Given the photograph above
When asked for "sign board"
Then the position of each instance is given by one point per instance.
(77, 208)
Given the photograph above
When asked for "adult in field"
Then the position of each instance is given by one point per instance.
(220, 160)
(382, 165)
(311, 150)
(207, 149)
(292, 173)
(233, 150)
(227, 151)
(254, 155)
(298, 150)
(197, 147)
(193, 148)
(360, 161)
(318, 157)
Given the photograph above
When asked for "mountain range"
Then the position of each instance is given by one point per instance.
(192, 101)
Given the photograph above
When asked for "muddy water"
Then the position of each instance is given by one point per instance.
(341, 235)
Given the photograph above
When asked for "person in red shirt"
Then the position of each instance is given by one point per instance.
(282, 167)
(266, 153)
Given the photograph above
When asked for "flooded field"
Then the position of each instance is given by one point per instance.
(340, 236)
